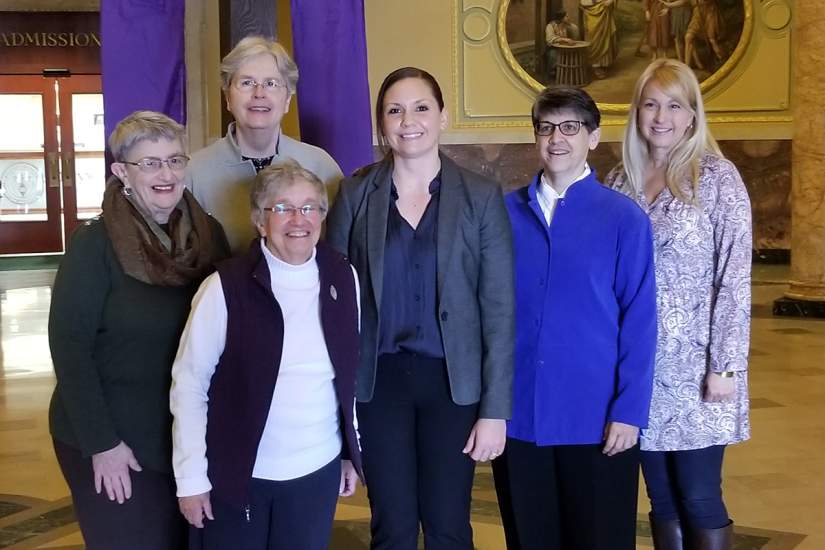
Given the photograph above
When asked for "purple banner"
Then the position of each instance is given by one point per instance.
(142, 58)
(330, 48)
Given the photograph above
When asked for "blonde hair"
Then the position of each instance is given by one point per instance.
(678, 81)
(142, 125)
(252, 46)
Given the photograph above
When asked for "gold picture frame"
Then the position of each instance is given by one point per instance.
(707, 85)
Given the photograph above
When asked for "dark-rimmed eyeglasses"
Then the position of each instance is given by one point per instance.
(287, 210)
(270, 85)
(153, 165)
(566, 127)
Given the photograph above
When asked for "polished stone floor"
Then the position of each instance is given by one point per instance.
(774, 484)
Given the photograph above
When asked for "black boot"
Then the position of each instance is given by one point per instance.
(667, 534)
(711, 539)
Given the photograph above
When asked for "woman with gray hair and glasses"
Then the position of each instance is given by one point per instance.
(264, 463)
(119, 304)
(258, 80)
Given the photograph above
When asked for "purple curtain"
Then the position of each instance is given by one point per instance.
(142, 58)
(330, 48)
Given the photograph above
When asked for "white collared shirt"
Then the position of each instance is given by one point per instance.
(548, 196)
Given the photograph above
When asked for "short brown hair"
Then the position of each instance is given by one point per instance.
(396, 76)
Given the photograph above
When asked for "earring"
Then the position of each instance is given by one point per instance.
(127, 191)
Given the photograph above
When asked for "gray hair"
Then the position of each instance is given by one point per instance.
(276, 177)
(252, 46)
(142, 125)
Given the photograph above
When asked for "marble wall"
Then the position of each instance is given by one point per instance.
(765, 167)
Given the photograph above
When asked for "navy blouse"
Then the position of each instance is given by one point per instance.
(409, 304)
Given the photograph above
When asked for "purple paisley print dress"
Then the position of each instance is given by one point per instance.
(703, 272)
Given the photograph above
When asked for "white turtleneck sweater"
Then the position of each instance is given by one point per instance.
(302, 431)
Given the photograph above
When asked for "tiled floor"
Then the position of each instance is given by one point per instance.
(774, 484)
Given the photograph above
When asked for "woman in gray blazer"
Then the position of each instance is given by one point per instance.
(432, 246)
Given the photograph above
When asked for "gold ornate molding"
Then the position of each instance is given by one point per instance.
(477, 50)
(622, 108)
(738, 53)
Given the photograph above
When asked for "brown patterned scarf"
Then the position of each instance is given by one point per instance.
(146, 252)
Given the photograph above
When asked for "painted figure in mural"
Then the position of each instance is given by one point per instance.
(701, 218)
(658, 27)
(258, 80)
(600, 31)
(558, 31)
(585, 344)
(432, 245)
(705, 22)
(679, 20)
(263, 388)
(120, 300)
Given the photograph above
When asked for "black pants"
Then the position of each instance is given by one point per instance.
(296, 514)
(567, 497)
(686, 485)
(150, 519)
(412, 435)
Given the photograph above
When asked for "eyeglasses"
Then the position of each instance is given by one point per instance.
(567, 127)
(287, 210)
(269, 85)
(152, 165)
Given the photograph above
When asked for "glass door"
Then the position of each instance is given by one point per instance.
(52, 165)
(29, 174)
(82, 148)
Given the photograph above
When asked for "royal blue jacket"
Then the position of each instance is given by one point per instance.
(585, 315)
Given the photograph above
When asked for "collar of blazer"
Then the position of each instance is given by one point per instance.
(453, 201)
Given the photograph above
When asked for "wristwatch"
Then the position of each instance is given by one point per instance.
(726, 374)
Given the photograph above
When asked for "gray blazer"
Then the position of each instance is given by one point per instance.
(475, 279)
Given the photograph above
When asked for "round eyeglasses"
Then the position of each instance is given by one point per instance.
(269, 85)
(566, 127)
(152, 165)
(287, 210)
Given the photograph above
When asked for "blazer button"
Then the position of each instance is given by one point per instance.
(443, 315)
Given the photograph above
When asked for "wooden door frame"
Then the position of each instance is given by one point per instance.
(17, 237)
(75, 84)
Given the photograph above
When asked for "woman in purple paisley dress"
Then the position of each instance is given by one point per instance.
(701, 219)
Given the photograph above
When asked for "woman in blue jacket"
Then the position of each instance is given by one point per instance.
(585, 342)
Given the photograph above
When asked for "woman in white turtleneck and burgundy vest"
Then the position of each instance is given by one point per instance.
(260, 464)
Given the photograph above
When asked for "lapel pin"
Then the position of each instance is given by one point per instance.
(333, 292)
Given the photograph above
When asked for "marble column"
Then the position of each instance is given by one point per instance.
(806, 295)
